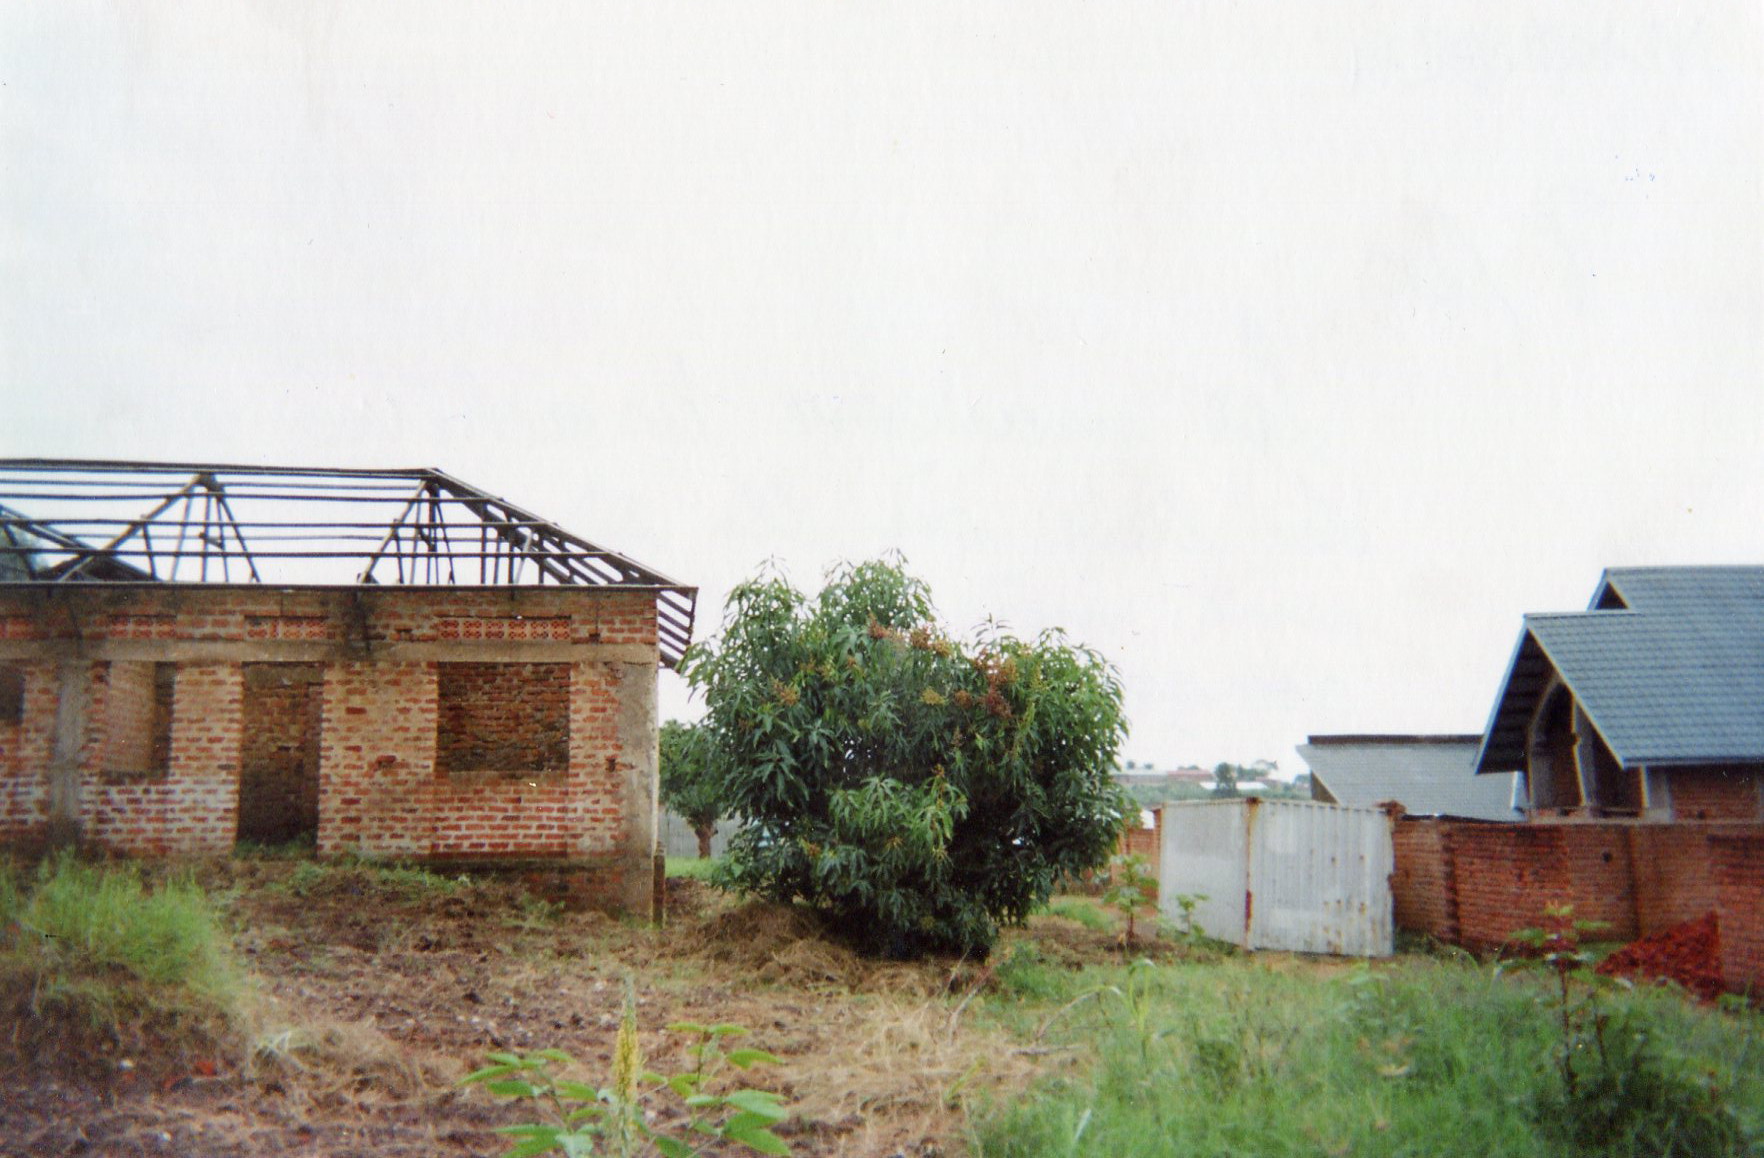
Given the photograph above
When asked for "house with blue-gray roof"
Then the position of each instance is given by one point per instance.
(1649, 704)
(1426, 775)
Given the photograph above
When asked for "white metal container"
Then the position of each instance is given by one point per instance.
(1282, 874)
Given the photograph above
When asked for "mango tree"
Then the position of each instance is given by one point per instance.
(918, 790)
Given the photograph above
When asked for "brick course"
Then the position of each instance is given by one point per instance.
(582, 793)
(1477, 883)
(1739, 883)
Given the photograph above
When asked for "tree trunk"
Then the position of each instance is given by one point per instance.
(705, 832)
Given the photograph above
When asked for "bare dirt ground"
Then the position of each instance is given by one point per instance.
(372, 994)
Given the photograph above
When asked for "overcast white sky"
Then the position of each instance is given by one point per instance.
(1285, 353)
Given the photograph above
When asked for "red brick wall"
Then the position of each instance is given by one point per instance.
(194, 806)
(278, 773)
(1421, 886)
(506, 719)
(1739, 878)
(1508, 874)
(1674, 874)
(377, 762)
(1714, 793)
(1476, 883)
(26, 748)
(132, 711)
(1145, 842)
(586, 792)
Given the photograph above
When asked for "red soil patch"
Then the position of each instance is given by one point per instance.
(1689, 954)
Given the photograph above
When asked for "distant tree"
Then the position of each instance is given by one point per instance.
(689, 784)
(1225, 778)
(916, 790)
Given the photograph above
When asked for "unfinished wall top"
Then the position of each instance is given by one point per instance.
(77, 521)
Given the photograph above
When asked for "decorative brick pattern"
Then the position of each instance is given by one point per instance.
(304, 627)
(141, 627)
(19, 627)
(555, 627)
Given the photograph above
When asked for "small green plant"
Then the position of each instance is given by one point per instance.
(1186, 930)
(613, 1119)
(1132, 890)
(1616, 1091)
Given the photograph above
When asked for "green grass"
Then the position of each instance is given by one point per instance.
(359, 876)
(1086, 912)
(691, 866)
(1423, 1057)
(94, 941)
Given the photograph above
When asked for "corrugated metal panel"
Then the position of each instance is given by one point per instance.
(1205, 853)
(1278, 874)
(1320, 879)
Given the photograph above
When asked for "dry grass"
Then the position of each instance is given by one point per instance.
(374, 992)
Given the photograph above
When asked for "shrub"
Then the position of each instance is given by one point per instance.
(916, 790)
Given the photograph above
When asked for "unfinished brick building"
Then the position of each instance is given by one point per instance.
(387, 662)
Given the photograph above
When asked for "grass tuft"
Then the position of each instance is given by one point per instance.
(92, 957)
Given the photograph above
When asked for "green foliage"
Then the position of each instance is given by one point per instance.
(1081, 910)
(357, 876)
(615, 1119)
(1420, 1057)
(1132, 890)
(94, 943)
(1186, 929)
(698, 868)
(1225, 777)
(918, 791)
(1617, 1090)
(689, 782)
(1232, 1057)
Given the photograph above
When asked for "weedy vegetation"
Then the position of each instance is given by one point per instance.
(93, 959)
(1281, 1056)
(616, 1119)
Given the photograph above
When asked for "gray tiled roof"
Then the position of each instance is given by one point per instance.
(1427, 775)
(1674, 676)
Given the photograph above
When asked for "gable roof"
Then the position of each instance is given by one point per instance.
(1668, 665)
(1427, 775)
(84, 521)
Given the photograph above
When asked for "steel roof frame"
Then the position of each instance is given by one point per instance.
(88, 520)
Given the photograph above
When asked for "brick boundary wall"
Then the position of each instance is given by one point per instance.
(376, 655)
(1739, 889)
(1476, 883)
